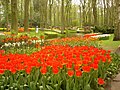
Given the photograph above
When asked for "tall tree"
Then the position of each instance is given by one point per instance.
(21, 13)
(68, 12)
(26, 15)
(7, 12)
(50, 11)
(117, 29)
(62, 16)
(80, 16)
(31, 12)
(43, 13)
(94, 11)
(14, 17)
(83, 3)
(58, 13)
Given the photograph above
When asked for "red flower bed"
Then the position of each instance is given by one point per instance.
(89, 35)
(84, 58)
(80, 67)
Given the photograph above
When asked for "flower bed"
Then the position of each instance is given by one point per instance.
(102, 37)
(55, 68)
(21, 44)
(76, 41)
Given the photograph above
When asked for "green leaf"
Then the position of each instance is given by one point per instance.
(49, 87)
(2, 88)
(87, 87)
(41, 87)
(32, 86)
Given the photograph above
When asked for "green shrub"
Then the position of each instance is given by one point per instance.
(2, 29)
(32, 29)
(114, 66)
(51, 35)
(103, 29)
(104, 38)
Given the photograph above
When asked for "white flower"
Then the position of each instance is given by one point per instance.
(6, 44)
(18, 43)
(14, 44)
(23, 42)
(9, 44)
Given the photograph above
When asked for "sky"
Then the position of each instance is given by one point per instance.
(76, 1)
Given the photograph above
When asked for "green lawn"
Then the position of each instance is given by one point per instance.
(110, 44)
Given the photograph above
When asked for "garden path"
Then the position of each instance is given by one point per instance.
(115, 83)
(1, 33)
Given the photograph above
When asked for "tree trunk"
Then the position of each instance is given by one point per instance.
(117, 30)
(89, 12)
(58, 13)
(102, 17)
(67, 12)
(107, 13)
(80, 16)
(26, 15)
(104, 12)
(84, 14)
(43, 13)
(31, 12)
(94, 11)
(0, 13)
(21, 13)
(62, 17)
(50, 11)
(113, 14)
(7, 14)
(14, 18)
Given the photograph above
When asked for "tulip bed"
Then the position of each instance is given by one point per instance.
(76, 41)
(76, 63)
(21, 44)
(55, 68)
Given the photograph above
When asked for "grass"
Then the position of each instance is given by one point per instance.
(2, 37)
(110, 44)
(50, 32)
(47, 34)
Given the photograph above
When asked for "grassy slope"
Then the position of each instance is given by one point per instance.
(110, 44)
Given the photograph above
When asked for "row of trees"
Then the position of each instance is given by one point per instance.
(63, 13)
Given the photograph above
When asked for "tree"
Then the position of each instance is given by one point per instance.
(14, 18)
(117, 26)
(21, 13)
(43, 13)
(62, 17)
(68, 12)
(0, 13)
(26, 15)
(50, 11)
(94, 11)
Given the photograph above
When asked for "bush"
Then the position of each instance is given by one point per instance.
(104, 38)
(51, 35)
(2, 29)
(103, 29)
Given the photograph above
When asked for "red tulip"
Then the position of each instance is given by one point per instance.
(78, 73)
(55, 70)
(86, 68)
(43, 70)
(70, 73)
(28, 70)
(1, 71)
(76, 67)
(101, 81)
